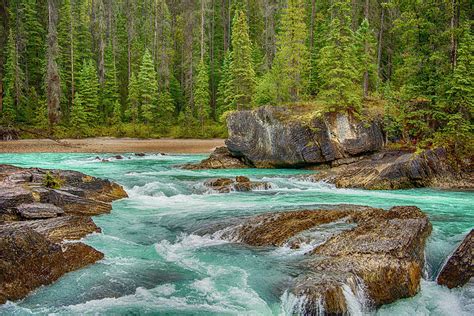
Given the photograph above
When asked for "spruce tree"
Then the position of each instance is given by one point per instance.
(109, 93)
(12, 82)
(366, 54)
(165, 108)
(458, 130)
(116, 117)
(292, 57)
(338, 64)
(88, 87)
(201, 93)
(133, 108)
(225, 100)
(148, 88)
(79, 119)
(242, 82)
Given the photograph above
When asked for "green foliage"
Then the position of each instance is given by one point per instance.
(88, 90)
(242, 74)
(225, 100)
(458, 106)
(201, 94)
(292, 57)
(147, 89)
(338, 65)
(109, 92)
(12, 82)
(79, 119)
(132, 111)
(51, 181)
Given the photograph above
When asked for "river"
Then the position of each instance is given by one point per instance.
(155, 263)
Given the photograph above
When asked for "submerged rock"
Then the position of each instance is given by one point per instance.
(240, 184)
(289, 137)
(391, 170)
(379, 260)
(36, 216)
(459, 268)
(220, 158)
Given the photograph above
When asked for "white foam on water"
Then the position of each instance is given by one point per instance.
(356, 298)
(291, 304)
(234, 295)
(434, 299)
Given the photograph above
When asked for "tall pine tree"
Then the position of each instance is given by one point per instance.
(88, 87)
(242, 82)
(292, 58)
(338, 64)
(148, 87)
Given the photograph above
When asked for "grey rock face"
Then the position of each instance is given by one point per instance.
(272, 137)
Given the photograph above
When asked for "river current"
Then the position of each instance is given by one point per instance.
(156, 264)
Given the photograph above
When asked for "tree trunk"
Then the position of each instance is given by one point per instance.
(379, 48)
(71, 47)
(366, 51)
(129, 38)
(311, 28)
(211, 60)
(53, 80)
(454, 25)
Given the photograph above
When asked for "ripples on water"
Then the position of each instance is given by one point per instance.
(155, 263)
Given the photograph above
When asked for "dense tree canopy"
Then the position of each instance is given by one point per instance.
(162, 67)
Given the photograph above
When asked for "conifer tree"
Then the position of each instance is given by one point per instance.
(88, 87)
(459, 104)
(133, 109)
(366, 54)
(292, 57)
(116, 117)
(148, 88)
(338, 64)
(242, 82)
(201, 93)
(225, 100)
(109, 93)
(66, 60)
(79, 119)
(12, 81)
(165, 108)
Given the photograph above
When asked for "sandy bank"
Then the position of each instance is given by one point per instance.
(112, 145)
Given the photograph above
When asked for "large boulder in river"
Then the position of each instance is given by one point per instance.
(392, 170)
(378, 260)
(40, 210)
(293, 137)
(459, 268)
(220, 158)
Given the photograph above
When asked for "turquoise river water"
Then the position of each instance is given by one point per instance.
(156, 264)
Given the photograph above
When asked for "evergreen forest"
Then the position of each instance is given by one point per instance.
(177, 68)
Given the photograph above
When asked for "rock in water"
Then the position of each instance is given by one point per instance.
(380, 259)
(220, 158)
(392, 170)
(240, 184)
(459, 268)
(36, 216)
(277, 137)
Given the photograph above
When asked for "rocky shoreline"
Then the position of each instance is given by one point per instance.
(41, 211)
